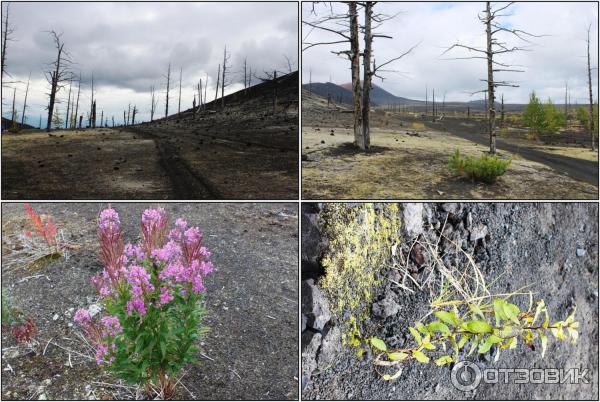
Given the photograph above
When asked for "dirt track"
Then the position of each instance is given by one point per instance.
(252, 302)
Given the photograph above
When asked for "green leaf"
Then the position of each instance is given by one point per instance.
(477, 327)
(378, 344)
(449, 317)
(397, 356)
(492, 339)
(422, 329)
(463, 340)
(416, 335)
(511, 312)
(387, 377)
(476, 310)
(438, 326)
(499, 311)
(163, 349)
(544, 340)
(443, 360)
(420, 356)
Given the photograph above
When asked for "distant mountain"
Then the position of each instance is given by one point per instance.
(343, 94)
(380, 96)
(337, 93)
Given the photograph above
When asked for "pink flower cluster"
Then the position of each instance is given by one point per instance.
(164, 265)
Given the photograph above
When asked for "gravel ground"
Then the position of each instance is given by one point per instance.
(551, 246)
(251, 349)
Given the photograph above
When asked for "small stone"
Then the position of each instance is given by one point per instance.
(94, 309)
(386, 307)
(413, 218)
(580, 252)
(11, 354)
(55, 317)
(452, 207)
(42, 397)
(478, 232)
(47, 381)
(315, 304)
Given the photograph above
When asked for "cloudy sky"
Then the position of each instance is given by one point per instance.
(127, 46)
(553, 59)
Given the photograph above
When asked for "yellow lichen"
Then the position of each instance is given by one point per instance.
(360, 238)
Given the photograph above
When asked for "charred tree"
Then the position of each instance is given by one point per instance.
(153, 103)
(25, 101)
(14, 111)
(179, 106)
(224, 82)
(58, 76)
(133, 115)
(168, 77)
(77, 103)
(591, 106)
(68, 105)
(494, 47)
(218, 80)
(7, 31)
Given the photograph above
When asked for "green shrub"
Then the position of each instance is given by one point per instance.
(542, 118)
(486, 168)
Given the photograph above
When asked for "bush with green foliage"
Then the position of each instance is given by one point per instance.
(583, 116)
(486, 168)
(542, 118)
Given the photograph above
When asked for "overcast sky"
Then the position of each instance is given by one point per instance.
(553, 59)
(127, 46)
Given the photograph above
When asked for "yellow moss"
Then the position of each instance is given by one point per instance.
(360, 240)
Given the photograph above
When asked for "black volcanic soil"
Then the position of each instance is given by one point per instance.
(251, 351)
(247, 149)
(551, 246)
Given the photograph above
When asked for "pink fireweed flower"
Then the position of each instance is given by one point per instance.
(137, 305)
(170, 252)
(134, 252)
(82, 316)
(165, 296)
(111, 245)
(112, 327)
(101, 351)
(154, 229)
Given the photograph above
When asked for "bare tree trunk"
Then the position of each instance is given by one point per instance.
(152, 103)
(54, 83)
(14, 111)
(94, 115)
(502, 113)
(124, 120)
(25, 102)
(218, 80)
(367, 75)
(223, 78)
(355, 69)
(245, 77)
(180, 74)
(490, 81)
(133, 115)
(168, 84)
(102, 118)
(433, 104)
(205, 90)
(590, 90)
(128, 113)
(92, 124)
(68, 106)
(275, 91)
(426, 99)
(194, 106)
(113, 121)
(77, 104)
(5, 37)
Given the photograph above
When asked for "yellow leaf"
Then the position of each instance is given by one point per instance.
(415, 334)
(420, 356)
(397, 356)
(388, 377)
(443, 360)
(378, 344)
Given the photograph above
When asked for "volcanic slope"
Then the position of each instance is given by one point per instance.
(244, 146)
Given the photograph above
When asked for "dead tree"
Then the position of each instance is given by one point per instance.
(7, 31)
(113, 121)
(168, 76)
(153, 103)
(133, 115)
(128, 113)
(180, 74)
(494, 47)
(92, 124)
(224, 82)
(102, 118)
(68, 106)
(205, 89)
(194, 106)
(218, 80)
(426, 99)
(502, 112)
(433, 104)
(289, 64)
(25, 101)
(94, 114)
(200, 103)
(245, 74)
(589, 71)
(77, 104)
(58, 76)
(14, 110)
(124, 119)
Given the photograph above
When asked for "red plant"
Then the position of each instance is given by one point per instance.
(25, 331)
(47, 230)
